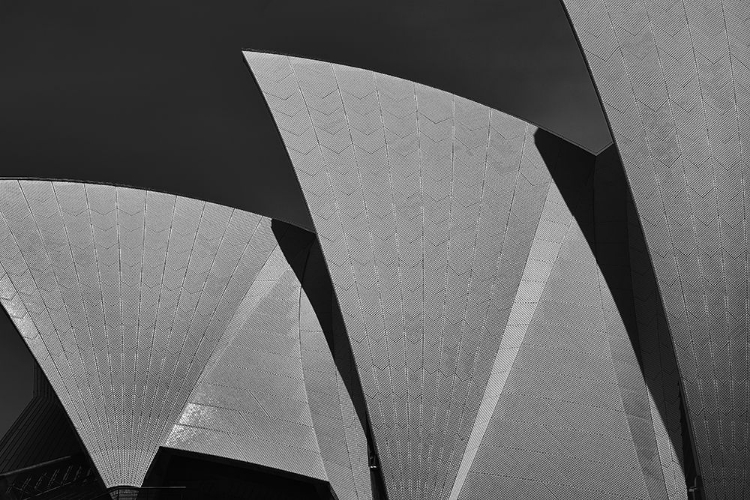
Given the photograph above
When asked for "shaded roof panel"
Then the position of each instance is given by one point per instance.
(161, 319)
(408, 261)
(570, 417)
(674, 86)
(121, 296)
(271, 395)
(441, 227)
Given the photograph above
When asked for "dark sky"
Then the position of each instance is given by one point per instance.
(156, 94)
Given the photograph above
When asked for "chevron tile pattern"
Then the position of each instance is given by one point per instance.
(570, 422)
(122, 296)
(398, 177)
(271, 394)
(542, 256)
(673, 78)
(440, 226)
(341, 437)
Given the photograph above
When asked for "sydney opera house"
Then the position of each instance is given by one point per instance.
(377, 250)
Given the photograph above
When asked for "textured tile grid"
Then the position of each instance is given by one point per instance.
(658, 362)
(644, 420)
(631, 305)
(24, 260)
(424, 203)
(563, 425)
(271, 394)
(251, 404)
(122, 296)
(341, 438)
(672, 76)
(542, 256)
(221, 285)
